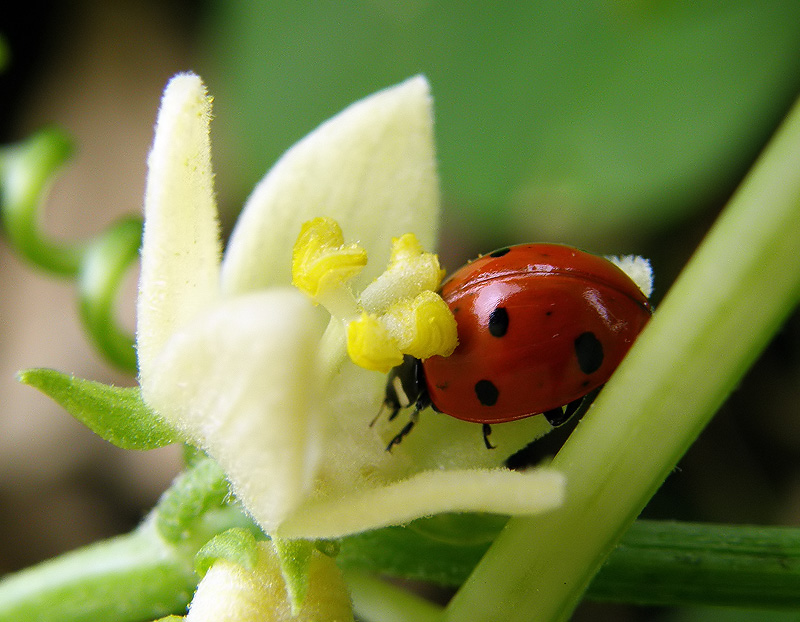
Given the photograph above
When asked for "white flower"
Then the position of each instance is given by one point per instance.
(234, 357)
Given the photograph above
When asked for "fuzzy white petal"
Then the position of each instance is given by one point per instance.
(371, 167)
(242, 382)
(639, 269)
(431, 492)
(180, 249)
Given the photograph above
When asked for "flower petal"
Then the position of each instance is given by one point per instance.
(431, 492)
(180, 248)
(242, 383)
(372, 168)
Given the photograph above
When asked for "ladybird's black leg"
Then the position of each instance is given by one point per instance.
(576, 408)
(573, 407)
(556, 416)
(390, 404)
(406, 429)
(583, 404)
(487, 430)
(395, 398)
(384, 407)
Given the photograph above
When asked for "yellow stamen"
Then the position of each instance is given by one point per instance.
(400, 313)
(370, 345)
(321, 261)
(423, 327)
(410, 272)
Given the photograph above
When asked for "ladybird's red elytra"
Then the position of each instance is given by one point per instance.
(540, 326)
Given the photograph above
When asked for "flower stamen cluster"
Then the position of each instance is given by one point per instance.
(398, 313)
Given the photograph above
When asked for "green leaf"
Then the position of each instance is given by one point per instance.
(295, 558)
(237, 545)
(410, 554)
(117, 414)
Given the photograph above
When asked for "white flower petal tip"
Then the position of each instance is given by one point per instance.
(180, 248)
(230, 593)
(639, 269)
(372, 168)
(498, 491)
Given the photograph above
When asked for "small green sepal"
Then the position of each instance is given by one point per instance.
(198, 490)
(330, 548)
(295, 558)
(117, 414)
(237, 545)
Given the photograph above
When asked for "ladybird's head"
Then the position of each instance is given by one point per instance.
(405, 386)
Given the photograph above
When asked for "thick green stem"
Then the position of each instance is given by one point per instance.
(133, 577)
(667, 563)
(655, 563)
(375, 600)
(741, 284)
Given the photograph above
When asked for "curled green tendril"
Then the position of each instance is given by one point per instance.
(99, 265)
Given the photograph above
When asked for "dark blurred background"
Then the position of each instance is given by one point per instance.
(618, 126)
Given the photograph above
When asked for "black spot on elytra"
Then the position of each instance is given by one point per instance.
(499, 252)
(589, 351)
(498, 322)
(486, 392)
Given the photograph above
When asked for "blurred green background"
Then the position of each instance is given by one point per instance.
(619, 126)
(582, 120)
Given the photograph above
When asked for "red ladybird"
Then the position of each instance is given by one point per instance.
(540, 328)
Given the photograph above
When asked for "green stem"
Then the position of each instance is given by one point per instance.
(656, 563)
(375, 600)
(143, 575)
(126, 579)
(734, 294)
(667, 563)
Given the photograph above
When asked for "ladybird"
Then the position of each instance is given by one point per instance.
(541, 327)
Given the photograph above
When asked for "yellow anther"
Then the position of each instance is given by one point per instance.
(321, 261)
(423, 327)
(370, 345)
(410, 272)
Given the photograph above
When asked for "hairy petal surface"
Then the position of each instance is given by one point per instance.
(371, 168)
(242, 383)
(431, 492)
(180, 248)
